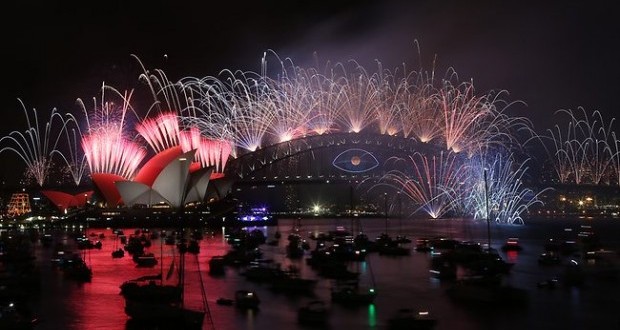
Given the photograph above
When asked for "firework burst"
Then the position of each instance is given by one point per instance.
(434, 182)
(461, 109)
(585, 151)
(161, 132)
(73, 156)
(35, 145)
(105, 145)
(508, 198)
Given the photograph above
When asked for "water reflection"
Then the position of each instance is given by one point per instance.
(512, 256)
(401, 282)
(372, 316)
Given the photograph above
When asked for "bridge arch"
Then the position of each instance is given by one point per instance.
(308, 155)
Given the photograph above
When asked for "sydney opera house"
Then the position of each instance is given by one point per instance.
(186, 170)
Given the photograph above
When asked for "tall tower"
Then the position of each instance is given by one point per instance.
(19, 204)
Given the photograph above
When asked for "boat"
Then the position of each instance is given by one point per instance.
(443, 268)
(551, 283)
(262, 273)
(164, 314)
(548, 258)
(314, 313)
(393, 249)
(78, 270)
(402, 239)
(487, 263)
(294, 250)
(14, 317)
(216, 265)
(255, 216)
(290, 282)
(170, 240)
(512, 244)
(225, 301)
(440, 245)
(352, 295)
(46, 240)
(245, 299)
(73, 266)
(145, 260)
(333, 269)
(119, 253)
(150, 300)
(411, 320)
(193, 247)
(150, 288)
(423, 245)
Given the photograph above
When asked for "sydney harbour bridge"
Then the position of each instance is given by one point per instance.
(334, 157)
(336, 168)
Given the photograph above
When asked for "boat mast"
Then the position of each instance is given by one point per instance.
(400, 213)
(353, 228)
(182, 276)
(486, 199)
(205, 303)
(161, 256)
(385, 209)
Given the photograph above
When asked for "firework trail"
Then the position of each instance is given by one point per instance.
(35, 145)
(585, 151)
(433, 184)
(461, 109)
(507, 196)
(105, 145)
(161, 132)
(73, 156)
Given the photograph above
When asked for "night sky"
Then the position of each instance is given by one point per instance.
(549, 55)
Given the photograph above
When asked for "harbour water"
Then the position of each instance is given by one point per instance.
(400, 281)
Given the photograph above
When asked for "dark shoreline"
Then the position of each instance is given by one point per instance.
(200, 222)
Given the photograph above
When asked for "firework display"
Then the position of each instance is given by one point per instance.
(585, 151)
(35, 145)
(234, 113)
(105, 143)
(435, 183)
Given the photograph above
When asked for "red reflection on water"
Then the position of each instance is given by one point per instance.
(98, 304)
(512, 256)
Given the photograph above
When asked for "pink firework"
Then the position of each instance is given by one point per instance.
(291, 102)
(461, 110)
(108, 152)
(105, 146)
(208, 152)
(359, 95)
(419, 115)
(161, 132)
